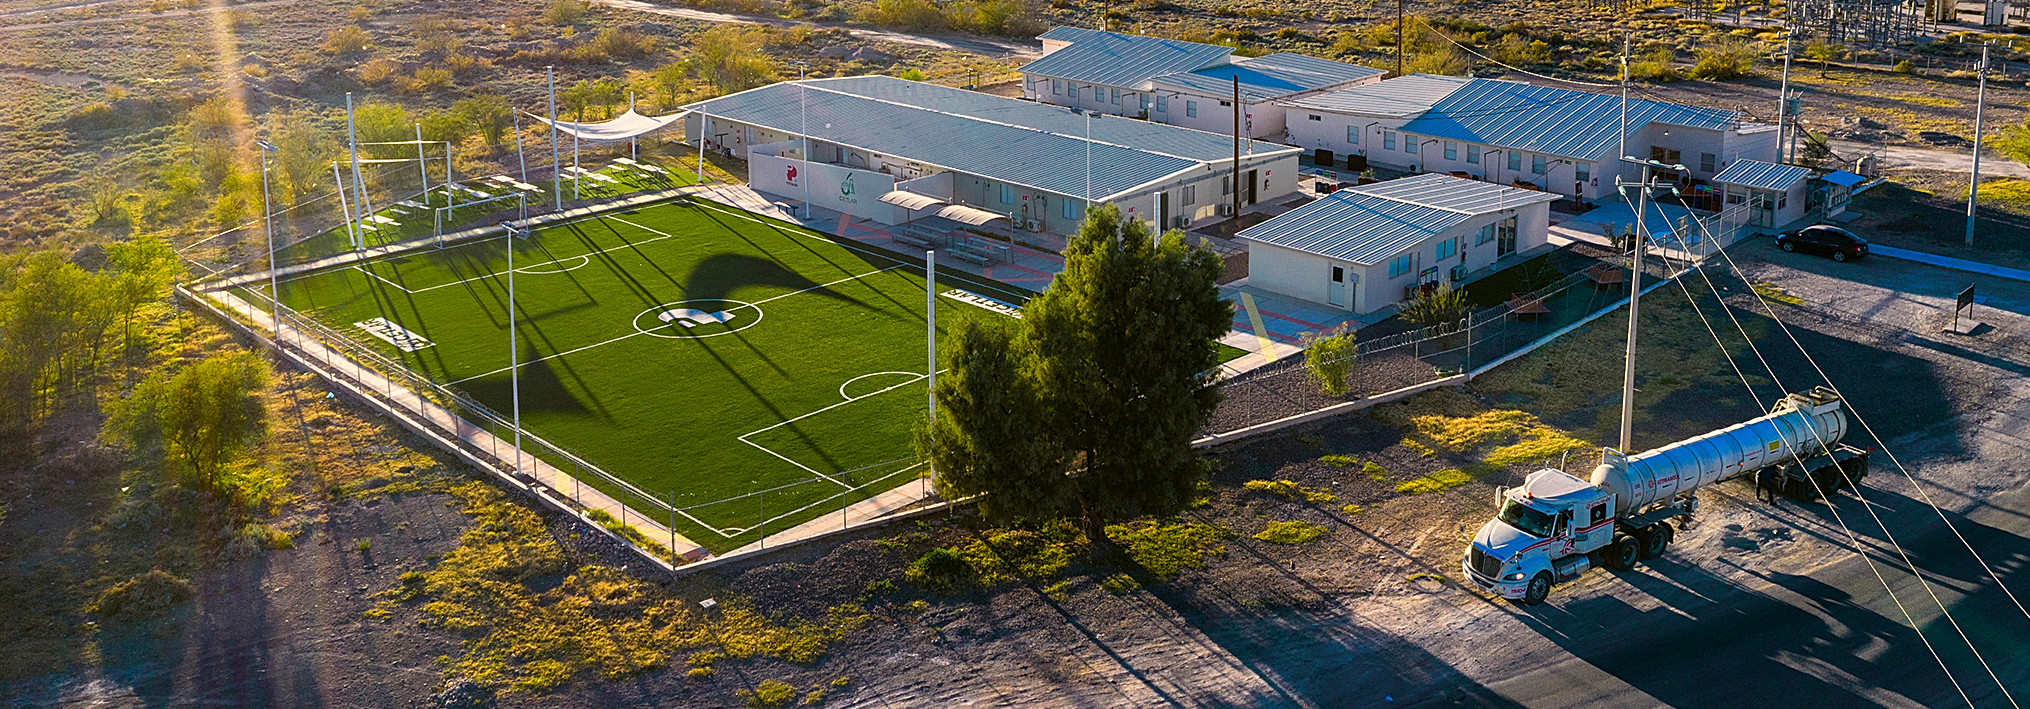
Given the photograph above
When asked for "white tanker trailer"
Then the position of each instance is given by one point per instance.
(1556, 526)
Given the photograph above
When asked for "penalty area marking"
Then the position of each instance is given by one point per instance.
(540, 269)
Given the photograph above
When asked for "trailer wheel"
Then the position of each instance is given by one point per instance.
(1623, 553)
(1539, 589)
(1655, 540)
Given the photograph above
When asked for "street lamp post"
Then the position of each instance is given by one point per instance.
(274, 279)
(804, 120)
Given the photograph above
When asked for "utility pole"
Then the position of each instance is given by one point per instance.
(556, 169)
(1237, 147)
(1974, 187)
(1783, 116)
(1399, 46)
(1634, 299)
(1624, 103)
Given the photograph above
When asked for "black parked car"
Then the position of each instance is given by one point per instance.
(1839, 243)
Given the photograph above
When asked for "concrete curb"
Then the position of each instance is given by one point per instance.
(2014, 274)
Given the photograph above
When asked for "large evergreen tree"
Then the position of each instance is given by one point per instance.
(1121, 353)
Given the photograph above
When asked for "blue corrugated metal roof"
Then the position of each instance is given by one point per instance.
(1000, 138)
(1367, 224)
(1400, 97)
(1761, 175)
(1121, 60)
(1541, 119)
(1269, 77)
(1843, 178)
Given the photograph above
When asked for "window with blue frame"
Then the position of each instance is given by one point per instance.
(1191, 109)
(1448, 248)
(1353, 135)
(1068, 208)
(1162, 104)
(1473, 154)
(1539, 164)
(1388, 140)
(1399, 266)
(1515, 161)
(1007, 194)
(1451, 150)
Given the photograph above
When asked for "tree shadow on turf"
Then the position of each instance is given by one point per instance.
(720, 275)
(542, 390)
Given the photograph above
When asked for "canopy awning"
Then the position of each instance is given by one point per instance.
(969, 216)
(911, 200)
(1843, 178)
(627, 125)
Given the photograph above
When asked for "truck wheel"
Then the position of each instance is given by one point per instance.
(1539, 589)
(1623, 553)
(1656, 540)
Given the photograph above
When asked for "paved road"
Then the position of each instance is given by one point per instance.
(1768, 604)
(997, 48)
(1935, 159)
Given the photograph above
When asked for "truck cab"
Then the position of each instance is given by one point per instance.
(1551, 529)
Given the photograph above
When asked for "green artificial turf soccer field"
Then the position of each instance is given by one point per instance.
(818, 371)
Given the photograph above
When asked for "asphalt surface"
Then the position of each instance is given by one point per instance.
(1768, 605)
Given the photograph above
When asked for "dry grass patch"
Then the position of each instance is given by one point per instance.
(1166, 549)
(1291, 491)
(1291, 532)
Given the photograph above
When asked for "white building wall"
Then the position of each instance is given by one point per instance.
(1294, 273)
(1307, 276)
(1329, 132)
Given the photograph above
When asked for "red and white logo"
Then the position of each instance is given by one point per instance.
(790, 174)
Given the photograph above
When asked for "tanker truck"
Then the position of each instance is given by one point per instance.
(1556, 526)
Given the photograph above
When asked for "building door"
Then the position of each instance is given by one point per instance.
(1162, 211)
(1504, 238)
(1765, 209)
(1335, 293)
(1253, 179)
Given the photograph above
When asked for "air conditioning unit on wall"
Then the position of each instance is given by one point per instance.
(1180, 222)
(1032, 225)
(1226, 210)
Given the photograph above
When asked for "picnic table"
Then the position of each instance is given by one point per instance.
(1527, 305)
(1604, 275)
(407, 203)
(383, 220)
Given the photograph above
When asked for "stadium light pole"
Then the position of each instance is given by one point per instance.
(930, 339)
(515, 353)
(556, 158)
(360, 204)
(803, 117)
(274, 279)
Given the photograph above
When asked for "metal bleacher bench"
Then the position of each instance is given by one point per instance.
(969, 250)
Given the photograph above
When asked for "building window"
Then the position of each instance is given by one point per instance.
(1709, 162)
(1473, 154)
(1582, 173)
(1056, 87)
(1226, 185)
(1190, 195)
(1191, 109)
(1007, 194)
(1410, 144)
(1448, 248)
(1066, 206)
(1145, 102)
(1734, 197)
(1388, 140)
(1399, 266)
(1505, 229)
(1664, 155)
(1486, 235)
(1352, 135)
(1539, 164)
(1515, 161)
(1117, 97)
(1162, 104)
(1782, 199)
(1451, 150)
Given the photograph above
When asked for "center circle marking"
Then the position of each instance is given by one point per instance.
(649, 322)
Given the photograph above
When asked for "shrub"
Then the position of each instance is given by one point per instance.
(564, 12)
(1436, 307)
(378, 70)
(770, 693)
(910, 75)
(1120, 584)
(428, 79)
(1330, 358)
(347, 40)
(941, 571)
(1291, 532)
(1655, 66)
(613, 43)
(363, 545)
(143, 596)
(1904, 67)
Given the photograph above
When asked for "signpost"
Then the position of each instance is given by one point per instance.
(1965, 305)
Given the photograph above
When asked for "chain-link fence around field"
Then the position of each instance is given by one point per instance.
(658, 522)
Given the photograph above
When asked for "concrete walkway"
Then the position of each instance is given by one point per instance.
(858, 513)
(442, 419)
(2014, 274)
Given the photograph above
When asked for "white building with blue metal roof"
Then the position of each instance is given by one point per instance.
(1038, 165)
(1558, 140)
(1370, 247)
(1774, 194)
(1177, 82)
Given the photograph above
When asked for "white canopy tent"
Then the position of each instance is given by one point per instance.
(911, 200)
(626, 126)
(969, 216)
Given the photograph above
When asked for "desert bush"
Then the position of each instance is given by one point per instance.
(142, 597)
(1443, 59)
(1655, 66)
(730, 57)
(378, 71)
(767, 695)
(439, 42)
(1722, 58)
(914, 15)
(347, 40)
(613, 43)
(487, 114)
(940, 570)
(1904, 67)
(427, 79)
(564, 12)
(1329, 357)
(1436, 307)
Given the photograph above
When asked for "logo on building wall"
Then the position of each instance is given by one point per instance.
(846, 191)
(790, 175)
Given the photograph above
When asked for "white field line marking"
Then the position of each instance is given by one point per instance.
(743, 437)
(849, 382)
(730, 532)
(638, 332)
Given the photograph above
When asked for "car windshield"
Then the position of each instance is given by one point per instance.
(1530, 520)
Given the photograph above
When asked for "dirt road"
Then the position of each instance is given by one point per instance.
(1934, 159)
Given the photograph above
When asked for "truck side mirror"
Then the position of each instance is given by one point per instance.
(1500, 494)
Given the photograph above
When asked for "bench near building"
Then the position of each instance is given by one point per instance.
(1367, 248)
(1176, 82)
(878, 141)
(1557, 140)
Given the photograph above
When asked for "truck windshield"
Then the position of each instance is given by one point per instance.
(1526, 518)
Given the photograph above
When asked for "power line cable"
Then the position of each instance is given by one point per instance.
(1915, 572)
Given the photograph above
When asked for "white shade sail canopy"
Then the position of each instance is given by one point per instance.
(969, 216)
(626, 125)
(911, 200)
